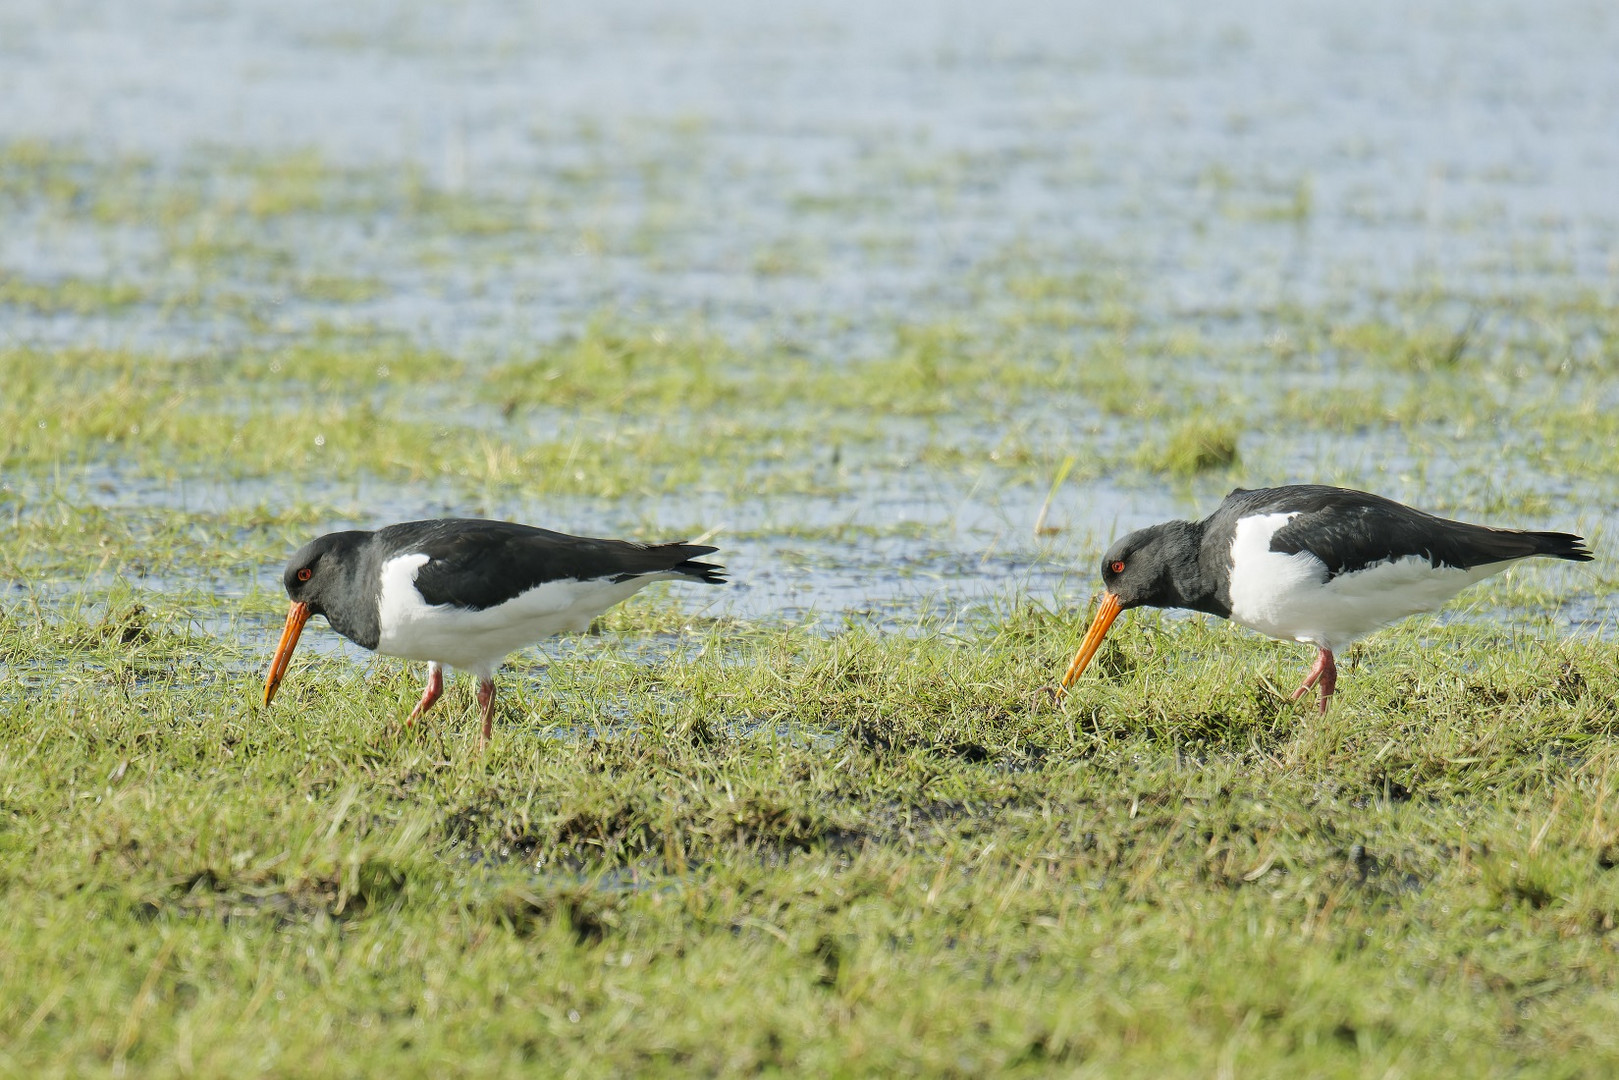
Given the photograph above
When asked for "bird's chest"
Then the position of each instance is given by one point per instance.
(1292, 596)
(411, 627)
(1274, 592)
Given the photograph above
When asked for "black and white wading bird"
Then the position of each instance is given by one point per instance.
(467, 593)
(1321, 565)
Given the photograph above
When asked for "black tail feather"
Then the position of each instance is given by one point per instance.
(711, 573)
(688, 566)
(1560, 545)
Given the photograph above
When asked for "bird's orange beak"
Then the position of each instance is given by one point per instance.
(297, 615)
(1093, 637)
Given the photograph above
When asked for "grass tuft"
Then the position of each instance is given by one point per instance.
(1196, 445)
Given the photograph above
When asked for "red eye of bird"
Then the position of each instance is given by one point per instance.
(1118, 566)
(305, 574)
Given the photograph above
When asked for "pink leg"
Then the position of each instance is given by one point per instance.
(1329, 680)
(486, 706)
(435, 687)
(1325, 672)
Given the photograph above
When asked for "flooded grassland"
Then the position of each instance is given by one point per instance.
(870, 297)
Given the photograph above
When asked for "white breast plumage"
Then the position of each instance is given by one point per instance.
(1290, 596)
(478, 640)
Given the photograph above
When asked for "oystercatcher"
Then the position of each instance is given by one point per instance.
(466, 593)
(1321, 565)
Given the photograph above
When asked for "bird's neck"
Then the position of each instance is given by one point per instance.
(359, 618)
(1194, 579)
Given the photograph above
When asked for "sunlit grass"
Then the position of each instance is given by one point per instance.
(76, 295)
(1197, 444)
(897, 840)
(700, 844)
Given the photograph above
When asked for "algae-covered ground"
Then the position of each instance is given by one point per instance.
(912, 314)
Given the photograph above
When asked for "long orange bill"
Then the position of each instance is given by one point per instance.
(297, 615)
(1093, 637)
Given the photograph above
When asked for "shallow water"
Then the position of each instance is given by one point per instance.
(1432, 141)
(818, 172)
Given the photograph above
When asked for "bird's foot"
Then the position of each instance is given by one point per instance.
(486, 708)
(1324, 674)
(430, 693)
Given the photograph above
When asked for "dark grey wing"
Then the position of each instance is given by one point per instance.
(1351, 530)
(481, 564)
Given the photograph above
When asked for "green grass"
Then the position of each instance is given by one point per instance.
(887, 854)
(605, 413)
(76, 295)
(705, 845)
(1195, 445)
